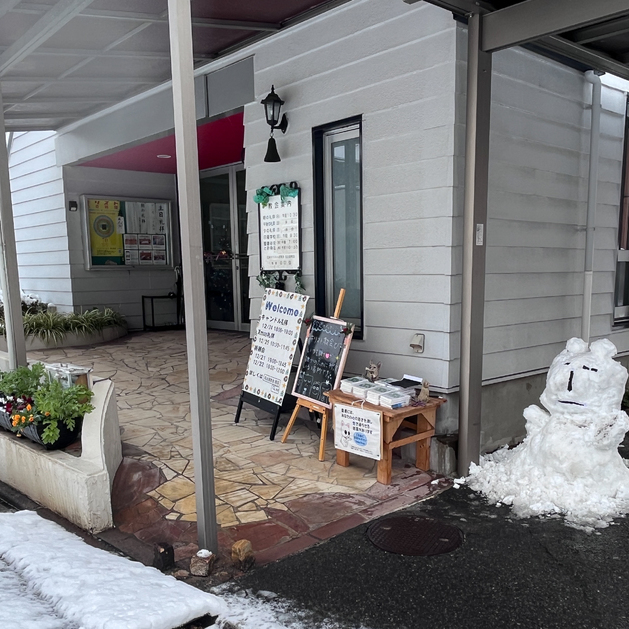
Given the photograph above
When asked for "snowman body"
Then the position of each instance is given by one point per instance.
(569, 462)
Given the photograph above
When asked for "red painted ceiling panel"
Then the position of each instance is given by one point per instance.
(220, 142)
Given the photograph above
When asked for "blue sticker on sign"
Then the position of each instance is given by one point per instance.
(360, 438)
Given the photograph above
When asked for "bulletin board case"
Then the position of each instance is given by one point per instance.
(126, 233)
(279, 223)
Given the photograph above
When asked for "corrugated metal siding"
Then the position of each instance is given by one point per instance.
(393, 64)
(40, 218)
(121, 290)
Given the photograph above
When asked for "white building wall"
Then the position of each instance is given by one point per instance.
(393, 64)
(537, 208)
(39, 211)
(537, 205)
(119, 289)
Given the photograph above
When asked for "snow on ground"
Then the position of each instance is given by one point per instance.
(21, 607)
(265, 610)
(51, 579)
(569, 462)
(54, 575)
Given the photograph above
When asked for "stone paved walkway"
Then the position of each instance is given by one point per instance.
(276, 494)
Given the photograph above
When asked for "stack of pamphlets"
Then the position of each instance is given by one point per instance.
(384, 381)
(373, 395)
(348, 383)
(395, 399)
(360, 390)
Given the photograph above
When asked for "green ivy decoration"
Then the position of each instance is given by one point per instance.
(268, 279)
(287, 192)
(299, 284)
(262, 195)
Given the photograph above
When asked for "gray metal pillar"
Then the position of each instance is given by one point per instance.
(474, 228)
(9, 276)
(180, 23)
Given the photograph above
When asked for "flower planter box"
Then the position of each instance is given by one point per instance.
(5, 420)
(66, 436)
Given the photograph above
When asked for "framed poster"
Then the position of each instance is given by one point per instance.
(322, 360)
(274, 345)
(280, 233)
(358, 430)
(123, 232)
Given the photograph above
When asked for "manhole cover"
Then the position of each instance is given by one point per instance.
(414, 535)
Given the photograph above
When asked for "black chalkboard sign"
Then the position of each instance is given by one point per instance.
(323, 359)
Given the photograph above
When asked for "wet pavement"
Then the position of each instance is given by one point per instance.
(279, 496)
(530, 574)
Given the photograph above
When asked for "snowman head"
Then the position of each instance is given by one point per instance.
(585, 380)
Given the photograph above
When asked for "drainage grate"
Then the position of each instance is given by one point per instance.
(414, 535)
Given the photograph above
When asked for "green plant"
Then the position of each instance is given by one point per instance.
(55, 404)
(299, 284)
(268, 279)
(52, 327)
(22, 382)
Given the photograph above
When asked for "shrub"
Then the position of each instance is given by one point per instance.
(53, 326)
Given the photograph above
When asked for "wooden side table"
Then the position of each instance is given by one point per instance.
(421, 419)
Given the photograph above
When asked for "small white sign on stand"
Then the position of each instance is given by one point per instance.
(274, 344)
(358, 431)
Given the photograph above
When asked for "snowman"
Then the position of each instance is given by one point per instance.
(569, 462)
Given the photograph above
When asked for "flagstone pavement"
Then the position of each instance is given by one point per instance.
(280, 496)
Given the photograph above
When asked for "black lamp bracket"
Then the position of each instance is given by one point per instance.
(282, 126)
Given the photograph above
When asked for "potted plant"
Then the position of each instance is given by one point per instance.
(55, 416)
(17, 389)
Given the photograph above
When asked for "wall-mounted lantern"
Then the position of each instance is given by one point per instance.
(272, 107)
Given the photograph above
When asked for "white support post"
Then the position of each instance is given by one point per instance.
(180, 26)
(474, 239)
(9, 276)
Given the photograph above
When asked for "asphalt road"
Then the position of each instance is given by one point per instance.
(532, 574)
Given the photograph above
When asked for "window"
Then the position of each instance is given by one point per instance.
(621, 298)
(338, 220)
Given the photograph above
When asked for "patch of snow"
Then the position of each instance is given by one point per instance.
(21, 608)
(263, 611)
(86, 586)
(204, 553)
(569, 464)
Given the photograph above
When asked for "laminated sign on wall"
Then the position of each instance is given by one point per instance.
(358, 431)
(124, 232)
(274, 344)
(279, 234)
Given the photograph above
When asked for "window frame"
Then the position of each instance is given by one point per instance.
(324, 257)
(621, 313)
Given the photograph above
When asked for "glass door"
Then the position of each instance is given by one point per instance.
(224, 217)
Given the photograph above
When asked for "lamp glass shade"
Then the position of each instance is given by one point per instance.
(272, 106)
(271, 152)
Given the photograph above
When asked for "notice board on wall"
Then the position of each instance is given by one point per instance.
(280, 233)
(323, 359)
(122, 232)
(274, 344)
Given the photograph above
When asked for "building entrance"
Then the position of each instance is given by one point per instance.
(224, 216)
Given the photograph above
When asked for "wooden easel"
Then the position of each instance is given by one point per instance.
(314, 407)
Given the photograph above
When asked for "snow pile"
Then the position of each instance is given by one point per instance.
(57, 575)
(569, 462)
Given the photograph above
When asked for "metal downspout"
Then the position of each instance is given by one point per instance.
(588, 275)
(474, 246)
